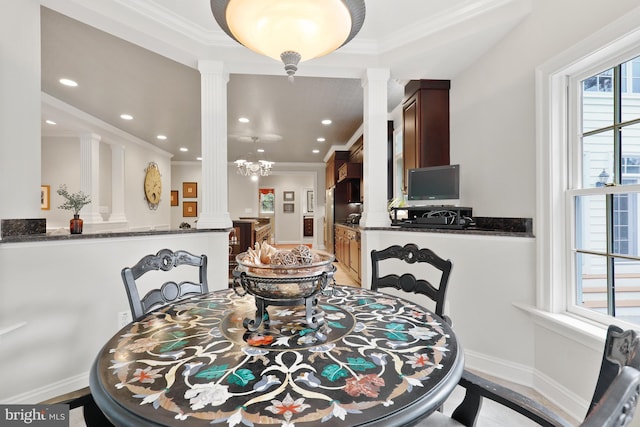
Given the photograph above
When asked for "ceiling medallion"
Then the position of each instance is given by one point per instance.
(290, 30)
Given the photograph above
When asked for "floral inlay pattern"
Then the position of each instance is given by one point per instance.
(193, 363)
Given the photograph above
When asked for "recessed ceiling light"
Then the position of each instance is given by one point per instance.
(321, 140)
(50, 122)
(198, 158)
(184, 149)
(162, 137)
(68, 82)
(326, 122)
(126, 116)
(260, 150)
(243, 120)
(315, 151)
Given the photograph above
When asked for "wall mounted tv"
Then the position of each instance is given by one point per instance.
(434, 185)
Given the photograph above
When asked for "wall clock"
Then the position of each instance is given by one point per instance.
(152, 186)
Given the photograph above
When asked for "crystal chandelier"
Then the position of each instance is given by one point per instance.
(247, 168)
(290, 30)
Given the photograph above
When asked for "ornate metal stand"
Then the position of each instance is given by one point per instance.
(266, 292)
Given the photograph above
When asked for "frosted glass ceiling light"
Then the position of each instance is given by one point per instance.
(290, 30)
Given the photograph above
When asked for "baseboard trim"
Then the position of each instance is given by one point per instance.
(525, 376)
(49, 391)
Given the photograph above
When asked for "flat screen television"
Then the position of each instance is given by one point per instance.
(434, 185)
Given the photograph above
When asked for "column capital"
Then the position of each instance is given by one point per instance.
(375, 74)
(212, 67)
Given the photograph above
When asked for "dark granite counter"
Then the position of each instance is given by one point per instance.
(58, 237)
(484, 226)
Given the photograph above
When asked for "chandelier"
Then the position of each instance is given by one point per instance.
(247, 168)
(290, 30)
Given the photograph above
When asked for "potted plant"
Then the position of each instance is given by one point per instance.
(73, 202)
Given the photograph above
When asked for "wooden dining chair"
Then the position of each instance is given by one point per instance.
(411, 254)
(613, 403)
(164, 260)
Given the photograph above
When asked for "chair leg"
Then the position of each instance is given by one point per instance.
(466, 413)
(93, 416)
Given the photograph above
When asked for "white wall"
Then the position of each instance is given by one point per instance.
(61, 164)
(493, 126)
(185, 172)
(69, 293)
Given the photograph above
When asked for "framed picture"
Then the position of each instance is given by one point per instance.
(174, 197)
(45, 197)
(288, 196)
(189, 190)
(309, 200)
(287, 207)
(266, 200)
(189, 208)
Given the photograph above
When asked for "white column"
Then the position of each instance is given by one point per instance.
(90, 176)
(214, 211)
(117, 184)
(20, 105)
(374, 83)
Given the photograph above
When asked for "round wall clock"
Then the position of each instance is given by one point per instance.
(152, 185)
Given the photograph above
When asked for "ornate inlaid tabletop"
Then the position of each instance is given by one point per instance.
(377, 360)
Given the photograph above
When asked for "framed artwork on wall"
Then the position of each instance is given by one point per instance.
(174, 197)
(288, 196)
(189, 209)
(287, 207)
(309, 201)
(189, 190)
(45, 197)
(266, 200)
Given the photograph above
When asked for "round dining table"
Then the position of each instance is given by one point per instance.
(375, 360)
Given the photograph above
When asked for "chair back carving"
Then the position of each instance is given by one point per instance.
(617, 405)
(169, 291)
(620, 349)
(411, 254)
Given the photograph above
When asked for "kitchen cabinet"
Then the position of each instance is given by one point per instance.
(348, 249)
(350, 171)
(337, 159)
(425, 124)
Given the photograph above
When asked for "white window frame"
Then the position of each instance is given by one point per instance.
(557, 112)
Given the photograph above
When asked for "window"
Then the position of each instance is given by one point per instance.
(605, 194)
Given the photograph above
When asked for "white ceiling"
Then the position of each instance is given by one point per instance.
(153, 75)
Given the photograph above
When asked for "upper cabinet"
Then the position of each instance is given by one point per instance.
(337, 159)
(425, 124)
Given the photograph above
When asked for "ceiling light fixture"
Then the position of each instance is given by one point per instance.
(243, 120)
(290, 30)
(161, 137)
(50, 122)
(326, 122)
(321, 139)
(126, 116)
(254, 169)
(68, 82)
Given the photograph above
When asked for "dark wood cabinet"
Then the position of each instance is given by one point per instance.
(425, 124)
(337, 159)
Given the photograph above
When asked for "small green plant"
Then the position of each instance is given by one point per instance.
(73, 201)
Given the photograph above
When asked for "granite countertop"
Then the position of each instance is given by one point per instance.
(57, 237)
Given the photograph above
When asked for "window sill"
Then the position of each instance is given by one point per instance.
(569, 326)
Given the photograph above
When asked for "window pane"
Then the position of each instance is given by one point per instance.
(591, 282)
(597, 159)
(625, 224)
(597, 101)
(630, 156)
(627, 289)
(591, 223)
(630, 102)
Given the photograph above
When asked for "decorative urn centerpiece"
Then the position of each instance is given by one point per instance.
(283, 278)
(73, 202)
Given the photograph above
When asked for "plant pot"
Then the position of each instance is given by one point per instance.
(75, 225)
